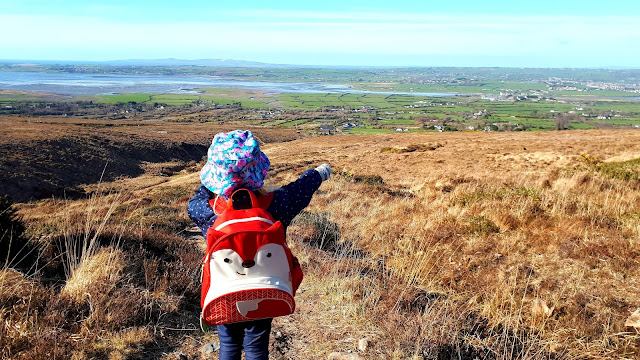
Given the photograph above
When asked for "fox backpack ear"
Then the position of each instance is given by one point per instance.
(278, 230)
(212, 237)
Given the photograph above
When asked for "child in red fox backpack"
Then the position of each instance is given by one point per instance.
(236, 162)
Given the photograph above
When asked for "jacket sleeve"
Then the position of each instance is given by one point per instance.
(291, 199)
(199, 209)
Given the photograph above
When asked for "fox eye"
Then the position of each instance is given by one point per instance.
(227, 260)
(268, 254)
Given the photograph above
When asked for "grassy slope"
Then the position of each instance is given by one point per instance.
(473, 245)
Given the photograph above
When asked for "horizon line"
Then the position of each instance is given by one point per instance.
(268, 64)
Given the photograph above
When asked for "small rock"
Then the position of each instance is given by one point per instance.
(540, 308)
(363, 344)
(210, 348)
(633, 320)
(278, 335)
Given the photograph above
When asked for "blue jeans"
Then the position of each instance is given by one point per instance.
(252, 336)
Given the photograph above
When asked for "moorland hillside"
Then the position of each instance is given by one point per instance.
(51, 157)
(421, 246)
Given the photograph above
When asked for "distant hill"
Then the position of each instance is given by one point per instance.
(153, 62)
(228, 63)
(198, 62)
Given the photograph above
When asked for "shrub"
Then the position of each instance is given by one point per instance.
(410, 148)
(591, 160)
(480, 225)
(366, 179)
(625, 170)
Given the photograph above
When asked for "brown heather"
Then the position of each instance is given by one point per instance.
(491, 246)
(488, 246)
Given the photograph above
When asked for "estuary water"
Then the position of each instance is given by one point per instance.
(108, 84)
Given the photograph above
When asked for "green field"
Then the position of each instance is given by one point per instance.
(294, 122)
(496, 98)
(125, 98)
(383, 112)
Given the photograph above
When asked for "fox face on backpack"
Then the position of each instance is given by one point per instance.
(248, 270)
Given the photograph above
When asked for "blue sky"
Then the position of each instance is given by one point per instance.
(372, 33)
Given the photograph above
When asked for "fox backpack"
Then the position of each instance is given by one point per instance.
(248, 270)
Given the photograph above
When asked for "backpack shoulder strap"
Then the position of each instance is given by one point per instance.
(219, 205)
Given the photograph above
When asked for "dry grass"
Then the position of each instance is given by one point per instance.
(491, 246)
(529, 253)
(98, 273)
(113, 277)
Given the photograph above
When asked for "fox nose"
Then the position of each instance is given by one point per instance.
(248, 263)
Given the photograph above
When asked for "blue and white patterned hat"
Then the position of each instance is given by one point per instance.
(234, 161)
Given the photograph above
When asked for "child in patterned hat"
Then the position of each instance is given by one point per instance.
(234, 161)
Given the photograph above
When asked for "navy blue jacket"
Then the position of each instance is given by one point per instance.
(288, 201)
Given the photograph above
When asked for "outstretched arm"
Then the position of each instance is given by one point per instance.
(292, 198)
(199, 209)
